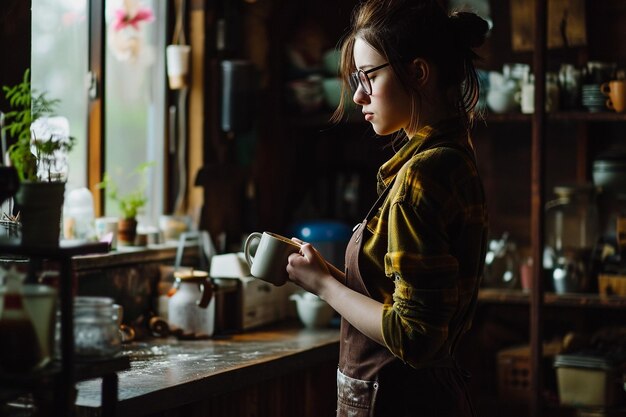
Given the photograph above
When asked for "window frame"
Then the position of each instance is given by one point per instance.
(96, 108)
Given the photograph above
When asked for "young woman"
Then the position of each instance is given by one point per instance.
(413, 266)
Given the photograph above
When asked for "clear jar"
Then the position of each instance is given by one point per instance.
(572, 232)
(572, 218)
(96, 327)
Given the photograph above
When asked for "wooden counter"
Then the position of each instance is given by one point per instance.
(279, 371)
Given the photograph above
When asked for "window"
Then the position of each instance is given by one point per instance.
(59, 64)
(134, 97)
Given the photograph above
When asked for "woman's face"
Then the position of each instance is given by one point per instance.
(388, 108)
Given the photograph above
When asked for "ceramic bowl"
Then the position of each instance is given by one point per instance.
(313, 312)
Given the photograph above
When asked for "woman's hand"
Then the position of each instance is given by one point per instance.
(308, 269)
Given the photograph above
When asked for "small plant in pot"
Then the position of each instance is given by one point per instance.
(130, 203)
(38, 153)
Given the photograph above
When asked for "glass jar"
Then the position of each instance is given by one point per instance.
(572, 218)
(571, 235)
(96, 327)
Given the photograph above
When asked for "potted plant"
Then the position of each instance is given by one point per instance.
(129, 204)
(36, 154)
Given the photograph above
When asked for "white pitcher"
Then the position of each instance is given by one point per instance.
(192, 307)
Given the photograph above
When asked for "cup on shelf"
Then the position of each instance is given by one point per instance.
(616, 92)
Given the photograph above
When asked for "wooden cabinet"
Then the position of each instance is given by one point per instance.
(554, 147)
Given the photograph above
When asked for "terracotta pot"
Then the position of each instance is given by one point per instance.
(127, 232)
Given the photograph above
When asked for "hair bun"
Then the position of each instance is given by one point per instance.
(469, 28)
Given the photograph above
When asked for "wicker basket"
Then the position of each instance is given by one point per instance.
(514, 371)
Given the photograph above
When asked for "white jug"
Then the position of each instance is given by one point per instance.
(192, 307)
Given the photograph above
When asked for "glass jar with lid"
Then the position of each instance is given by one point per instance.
(571, 234)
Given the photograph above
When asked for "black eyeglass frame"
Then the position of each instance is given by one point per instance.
(361, 78)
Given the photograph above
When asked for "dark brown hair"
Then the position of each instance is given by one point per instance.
(402, 30)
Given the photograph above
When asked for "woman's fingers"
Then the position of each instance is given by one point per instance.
(306, 250)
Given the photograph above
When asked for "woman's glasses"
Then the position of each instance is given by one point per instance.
(361, 78)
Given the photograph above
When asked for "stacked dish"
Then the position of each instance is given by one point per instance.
(592, 98)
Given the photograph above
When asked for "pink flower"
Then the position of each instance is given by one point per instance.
(122, 19)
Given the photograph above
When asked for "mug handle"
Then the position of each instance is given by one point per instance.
(605, 89)
(609, 104)
(246, 246)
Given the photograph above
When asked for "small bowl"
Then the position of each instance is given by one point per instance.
(313, 312)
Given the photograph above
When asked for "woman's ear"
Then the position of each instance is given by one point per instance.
(421, 71)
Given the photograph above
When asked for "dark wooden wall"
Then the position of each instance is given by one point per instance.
(15, 27)
(291, 157)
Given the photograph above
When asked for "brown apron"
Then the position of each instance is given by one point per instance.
(371, 381)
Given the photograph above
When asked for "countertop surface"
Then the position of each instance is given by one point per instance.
(168, 372)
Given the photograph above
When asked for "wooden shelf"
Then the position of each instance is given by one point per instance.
(322, 120)
(562, 116)
(585, 300)
(64, 249)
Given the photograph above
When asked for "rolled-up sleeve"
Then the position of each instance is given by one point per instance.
(416, 324)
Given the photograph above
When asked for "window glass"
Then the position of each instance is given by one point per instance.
(135, 97)
(135, 88)
(58, 67)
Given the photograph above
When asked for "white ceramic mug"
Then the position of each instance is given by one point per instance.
(269, 262)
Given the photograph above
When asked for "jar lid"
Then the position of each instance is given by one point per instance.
(192, 274)
(92, 301)
(568, 190)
